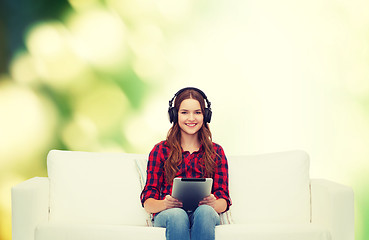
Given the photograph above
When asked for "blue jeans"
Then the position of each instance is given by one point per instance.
(181, 225)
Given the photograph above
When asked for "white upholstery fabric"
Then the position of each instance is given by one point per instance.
(272, 232)
(30, 207)
(270, 188)
(100, 188)
(97, 232)
(333, 208)
(223, 232)
(141, 166)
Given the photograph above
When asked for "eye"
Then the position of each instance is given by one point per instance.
(198, 112)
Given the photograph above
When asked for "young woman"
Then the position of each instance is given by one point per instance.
(187, 152)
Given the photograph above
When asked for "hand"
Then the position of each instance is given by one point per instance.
(209, 200)
(171, 202)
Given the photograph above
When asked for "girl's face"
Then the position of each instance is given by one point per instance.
(190, 117)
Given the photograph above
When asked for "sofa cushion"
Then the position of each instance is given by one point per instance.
(99, 188)
(272, 232)
(57, 231)
(60, 231)
(141, 166)
(270, 188)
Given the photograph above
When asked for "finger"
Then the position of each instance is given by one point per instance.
(177, 205)
(210, 197)
(170, 198)
(208, 200)
(205, 199)
(172, 202)
(204, 202)
(174, 199)
(175, 202)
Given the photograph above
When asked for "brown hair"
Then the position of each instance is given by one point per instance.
(174, 141)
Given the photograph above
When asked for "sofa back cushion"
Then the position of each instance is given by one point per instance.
(96, 188)
(270, 188)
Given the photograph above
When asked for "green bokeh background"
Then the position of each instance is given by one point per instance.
(94, 75)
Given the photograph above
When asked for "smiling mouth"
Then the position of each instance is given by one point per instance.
(191, 124)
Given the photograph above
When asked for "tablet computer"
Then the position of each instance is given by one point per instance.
(190, 191)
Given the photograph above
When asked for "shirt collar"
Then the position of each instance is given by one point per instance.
(201, 149)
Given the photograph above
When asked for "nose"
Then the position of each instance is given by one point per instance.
(191, 116)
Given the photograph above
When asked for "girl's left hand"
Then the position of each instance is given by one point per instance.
(209, 200)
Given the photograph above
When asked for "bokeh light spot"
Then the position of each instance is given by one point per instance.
(51, 46)
(104, 104)
(25, 117)
(99, 38)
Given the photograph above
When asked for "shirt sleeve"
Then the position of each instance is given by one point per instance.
(155, 174)
(220, 184)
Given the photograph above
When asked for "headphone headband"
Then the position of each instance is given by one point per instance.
(173, 114)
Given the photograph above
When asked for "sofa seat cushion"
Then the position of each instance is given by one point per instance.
(95, 188)
(64, 231)
(272, 232)
(58, 231)
(270, 188)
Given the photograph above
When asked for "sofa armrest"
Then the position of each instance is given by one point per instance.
(30, 206)
(333, 207)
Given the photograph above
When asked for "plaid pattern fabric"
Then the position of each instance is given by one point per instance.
(156, 186)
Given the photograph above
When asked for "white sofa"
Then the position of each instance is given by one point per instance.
(95, 196)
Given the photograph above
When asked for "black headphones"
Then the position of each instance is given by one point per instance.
(173, 113)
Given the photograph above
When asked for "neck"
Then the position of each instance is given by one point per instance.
(190, 143)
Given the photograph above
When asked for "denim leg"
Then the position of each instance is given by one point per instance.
(176, 222)
(204, 220)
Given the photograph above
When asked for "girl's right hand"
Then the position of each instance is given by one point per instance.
(171, 202)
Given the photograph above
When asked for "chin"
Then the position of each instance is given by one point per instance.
(193, 132)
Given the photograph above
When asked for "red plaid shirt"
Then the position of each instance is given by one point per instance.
(157, 187)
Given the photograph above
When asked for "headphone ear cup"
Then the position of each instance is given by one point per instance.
(173, 115)
(207, 115)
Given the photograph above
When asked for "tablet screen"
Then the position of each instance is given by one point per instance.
(190, 191)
